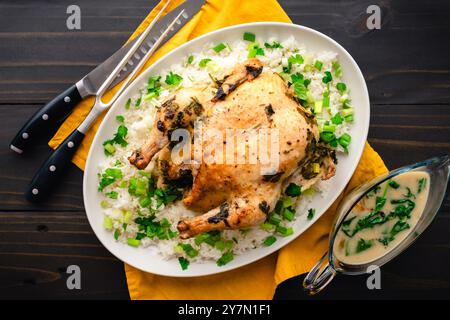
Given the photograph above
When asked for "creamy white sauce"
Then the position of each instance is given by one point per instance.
(361, 240)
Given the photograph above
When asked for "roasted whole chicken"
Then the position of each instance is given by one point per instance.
(236, 194)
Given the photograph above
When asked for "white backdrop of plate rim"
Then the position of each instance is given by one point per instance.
(131, 255)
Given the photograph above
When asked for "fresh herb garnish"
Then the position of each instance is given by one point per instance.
(112, 195)
(318, 65)
(184, 263)
(248, 36)
(341, 87)
(204, 62)
(293, 190)
(337, 69)
(409, 193)
(274, 45)
(219, 47)
(128, 104)
(255, 50)
(173, 79)
(421, 185)
(311, 214)
(110, 176)
(296, 59)
(225, 258)
(190, 59)
(363, 245)
(327, 78)
(398, 227)
(393, 184)
(270, 240)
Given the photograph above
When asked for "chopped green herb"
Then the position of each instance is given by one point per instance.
(284, 231)
(341, 87)
(311, 213)
(190, 59)
(293, 190)
(189, 250)
(110, 176)
(154, 86)
(421, 185)
(116, 234)
(119, 138)
(318, 65)
(133, 242)
(222, 245)
(268, 226)
(393, 184)
(255, 50)
(109, 149)
(274, 219)
(138, 102)
(112, 195)
(274, 45)
(184, 263)
(204, 62)
(248, 36)
(120, 119)
(337, 69)
(108, 223)
(327, 78)
(337, 119)
(288, 215)
(409, 193)
(270, 240)
(398, 227)
(173, 79)
(128, 104)
(225, 258)
(363, 245)
(296, 59)
(219, 47)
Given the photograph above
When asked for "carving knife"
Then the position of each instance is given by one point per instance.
(49, 117)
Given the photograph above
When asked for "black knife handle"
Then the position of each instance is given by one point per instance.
(51, 171)
(46, 119)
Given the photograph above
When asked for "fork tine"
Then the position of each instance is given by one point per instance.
(129, 54)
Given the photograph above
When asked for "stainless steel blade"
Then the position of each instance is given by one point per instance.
(92, 81)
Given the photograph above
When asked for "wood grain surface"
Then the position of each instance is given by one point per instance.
(407, 68)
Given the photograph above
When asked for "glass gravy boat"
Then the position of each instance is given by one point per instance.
(329, 265)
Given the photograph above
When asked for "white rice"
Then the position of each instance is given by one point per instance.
(139, 122)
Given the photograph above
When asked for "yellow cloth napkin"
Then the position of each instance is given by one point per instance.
(259, 279)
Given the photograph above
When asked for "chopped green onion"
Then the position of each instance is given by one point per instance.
(221, 245)
(133, 242)
(104, 204)
(108, 223)
(318, 106)
(284, 231)
(337, 119)
(109, 149)
(326, 99)
(268, 226)
(225, 258)
(293, 190)
(255, 50)
(128, 104)
(327, 136)
(248, 36)
(120, 119)
(204, 62)
(184, 263)
(287, 202)
(219, 47)
(311, 213)
(329, 128)
(318, 65)
(288, 215)
(269, 241)
(189, 250)
(190, 59)
(337, 69)
(138, 102)
(349, 118)
(274, 219)
(345, 140)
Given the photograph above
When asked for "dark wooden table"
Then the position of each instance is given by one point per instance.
(407, 68)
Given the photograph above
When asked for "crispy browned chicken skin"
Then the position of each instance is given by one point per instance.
(235, 196)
